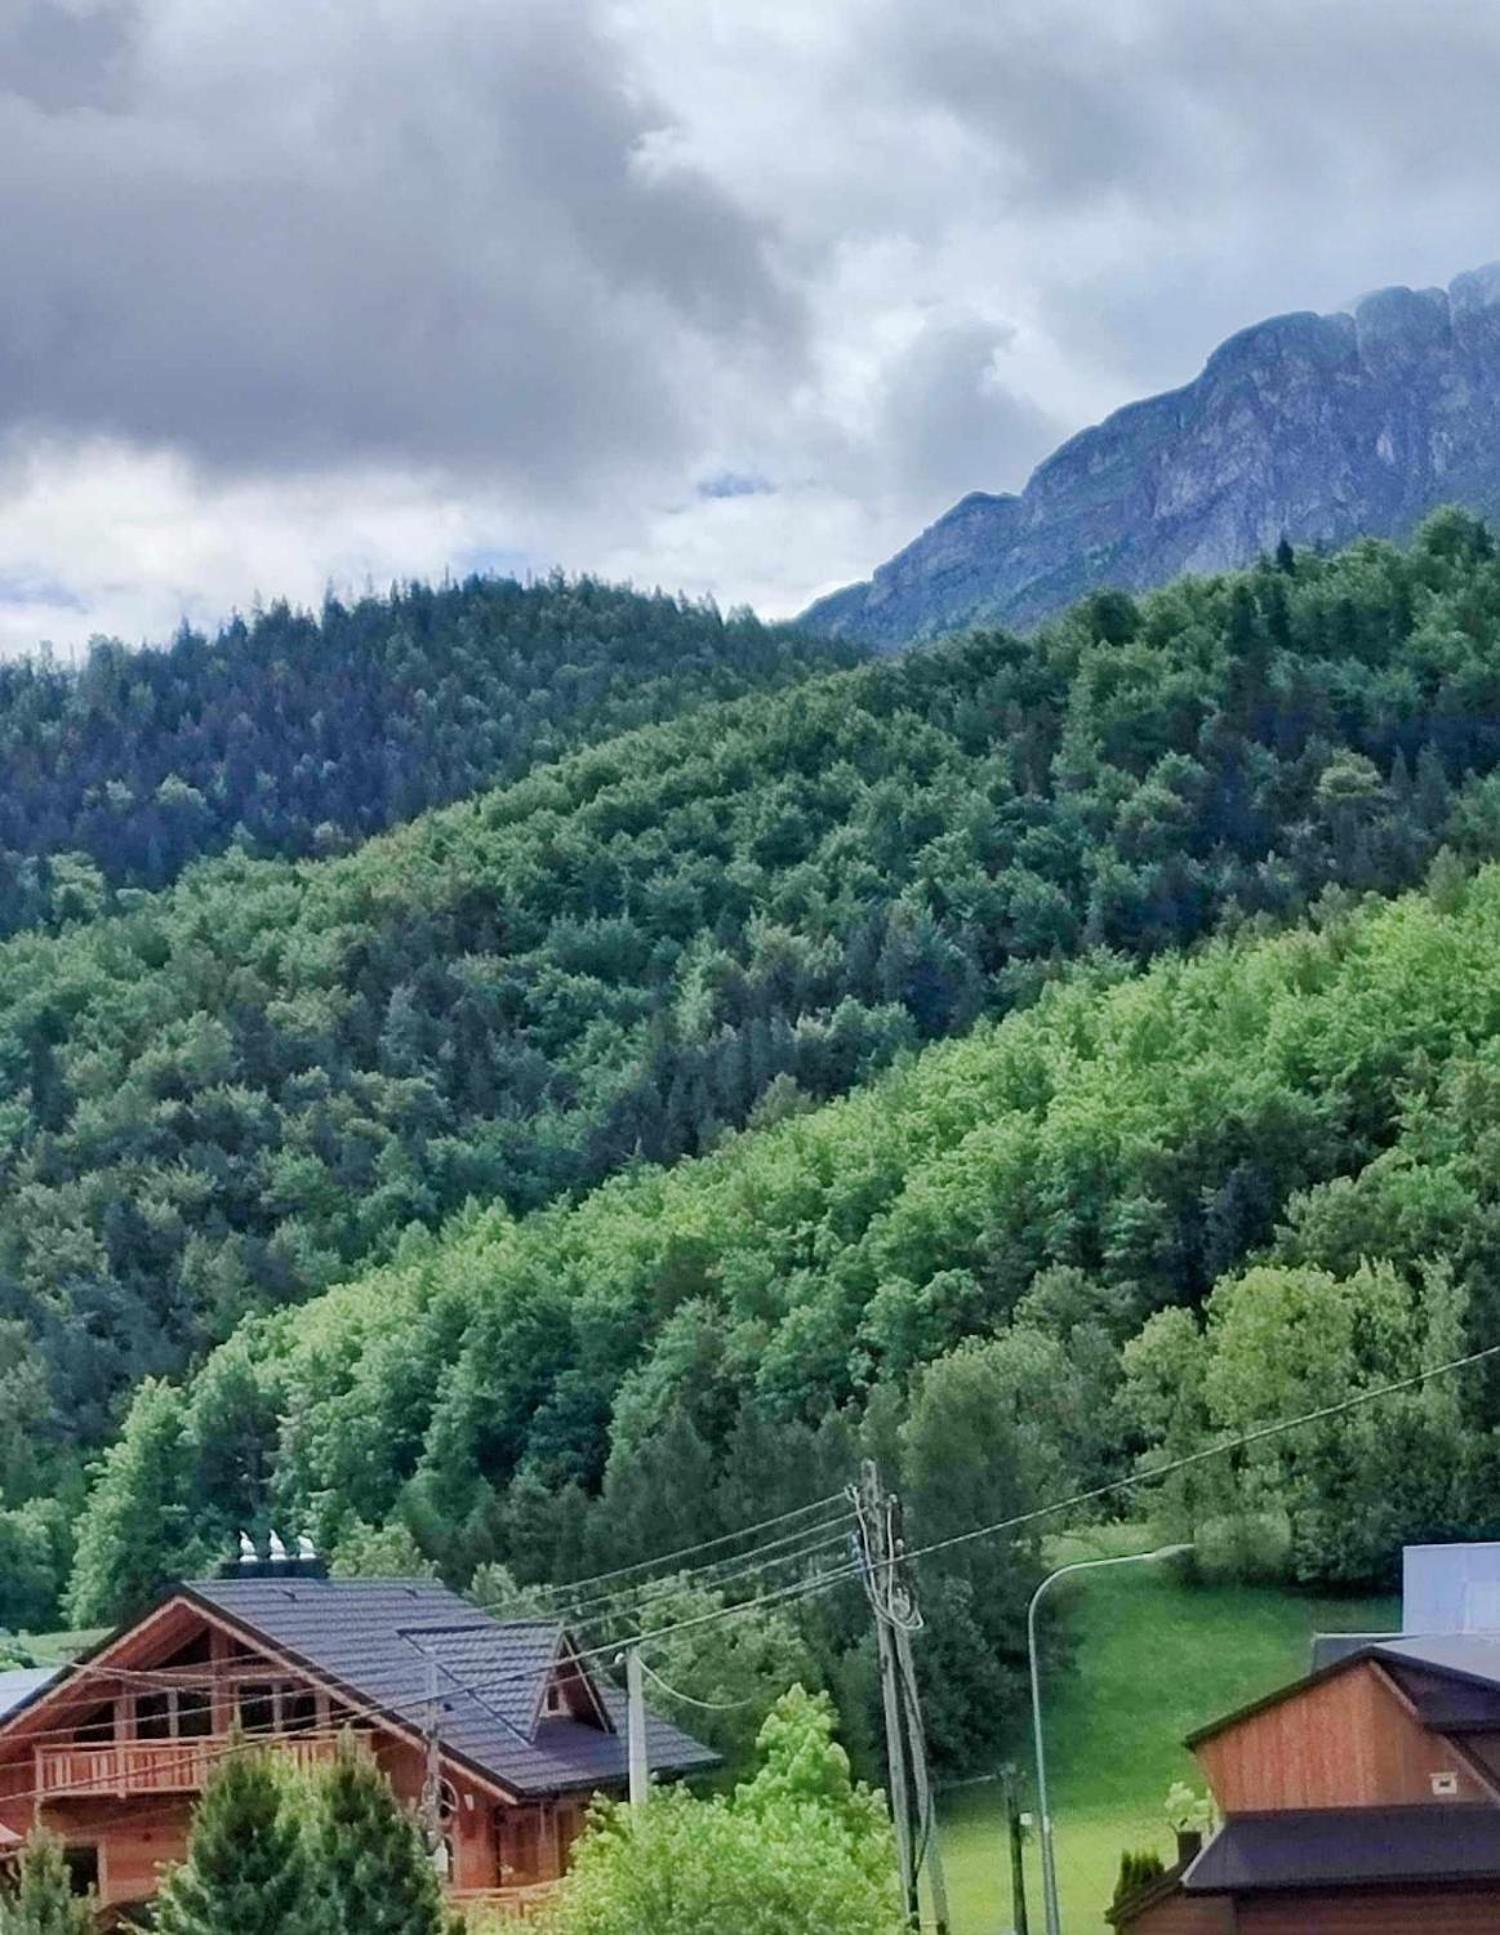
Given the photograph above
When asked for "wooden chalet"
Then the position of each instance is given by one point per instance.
(1363, 1800)
(111, 1752)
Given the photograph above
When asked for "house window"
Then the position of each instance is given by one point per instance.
(195, 1713)
(554, 1703)
(277, 1706)
(257, 1706)
(181, 1713)
(299, 1710)
(153, 1716)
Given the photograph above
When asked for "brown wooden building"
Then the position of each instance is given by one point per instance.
(1363, 1800)
(112, 1752)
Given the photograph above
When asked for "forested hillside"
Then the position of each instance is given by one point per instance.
(230, 1094)
(300, 734)
(949, 1267)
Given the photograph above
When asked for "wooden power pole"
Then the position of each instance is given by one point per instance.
(891, 1590)
(1016, 1833)
(876, 1570)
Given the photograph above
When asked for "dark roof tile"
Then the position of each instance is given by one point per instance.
(1333, 1846)
(375, 1638)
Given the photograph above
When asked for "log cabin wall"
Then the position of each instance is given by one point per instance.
(1348, 1741)
(1372, 1911)
(1180, 1914)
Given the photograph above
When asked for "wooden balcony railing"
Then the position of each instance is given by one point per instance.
(515, 1903)
(125, 1767)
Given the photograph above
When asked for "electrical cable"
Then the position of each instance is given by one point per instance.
(687, 1551)
(862, 1564)
(690, 1700)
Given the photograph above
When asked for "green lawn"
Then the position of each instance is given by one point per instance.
(1152, 1659)
(47, 1647)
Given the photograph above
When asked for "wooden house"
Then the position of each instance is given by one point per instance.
(111, 1752)
(1363, 1800)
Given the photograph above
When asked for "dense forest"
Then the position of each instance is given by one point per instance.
(984, 1267)
(298, 734)
(279, 1073)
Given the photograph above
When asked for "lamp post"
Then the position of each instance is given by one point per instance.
(1049, 1864)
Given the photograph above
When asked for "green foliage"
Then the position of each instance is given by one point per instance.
(43, 1902)
(362, 1552)
(217, 1099)
(1336, 1500)
(1187, 1811)
(139, 1535)
(733, 1674)
(248, 1865)
(367, 1854)
(1138, 1868)
(301, 734)
(942, 1269)
(796, 1850)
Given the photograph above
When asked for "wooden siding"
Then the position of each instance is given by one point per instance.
(1372, 1911)
(1348, 1741)
(1180, 1914)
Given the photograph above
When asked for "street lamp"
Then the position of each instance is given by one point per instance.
(1049, 1864)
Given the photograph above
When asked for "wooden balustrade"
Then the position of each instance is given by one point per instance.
(125, 1767)
(514, 1903)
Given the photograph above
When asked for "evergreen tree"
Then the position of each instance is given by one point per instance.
(374, 1873)
(248, 1870)
(44, 1903)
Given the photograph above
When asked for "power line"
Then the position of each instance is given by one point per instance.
(1217, 1450)
(823, 1582)
(687, 1551)
(804, 1541)
(691, 1700)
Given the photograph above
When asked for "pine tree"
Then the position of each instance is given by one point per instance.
(248, 1870)
(45, 1904)
(374, 1873)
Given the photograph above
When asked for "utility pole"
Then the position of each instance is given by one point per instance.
(1016, 1828)
(635, 1692)
(872, 1553)
(906, 1620)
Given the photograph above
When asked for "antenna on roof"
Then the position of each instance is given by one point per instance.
(248, 1553)
(276, 1550)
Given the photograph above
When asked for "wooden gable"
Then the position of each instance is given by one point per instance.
(1351, 1739)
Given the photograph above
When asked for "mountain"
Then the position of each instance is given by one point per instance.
(299, 733)
(1318, 428)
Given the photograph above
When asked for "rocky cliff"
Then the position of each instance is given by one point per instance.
(1319, 427)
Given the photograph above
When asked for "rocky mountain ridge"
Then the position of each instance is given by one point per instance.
(1321, 428)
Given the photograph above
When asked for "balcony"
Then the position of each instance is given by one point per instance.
(127, 1767)
(513, 1903)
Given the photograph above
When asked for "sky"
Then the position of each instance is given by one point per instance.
(729, 296)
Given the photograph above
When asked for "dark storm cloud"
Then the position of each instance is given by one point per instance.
(949, 425)
(429, 233)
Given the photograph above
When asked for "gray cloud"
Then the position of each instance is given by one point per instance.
(294, 287)
(949, 424)
(65, 54)
(431, 235)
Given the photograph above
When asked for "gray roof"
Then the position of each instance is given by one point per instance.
(18, 1686)
(1348, 1846)
(374, 1639)
(1474, 1656)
